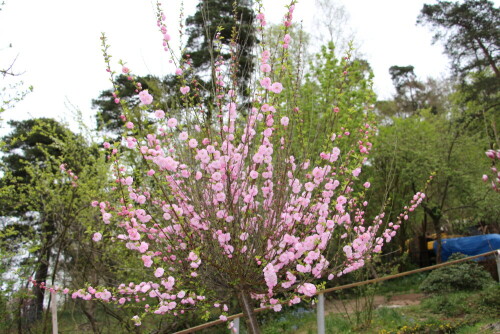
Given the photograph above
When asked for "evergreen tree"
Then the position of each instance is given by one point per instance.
(469, 31)
(233, 21)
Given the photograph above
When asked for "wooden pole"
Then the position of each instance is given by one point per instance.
(497, 256)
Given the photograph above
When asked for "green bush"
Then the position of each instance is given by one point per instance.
(451, 304)
(464, 276)
(490, 297)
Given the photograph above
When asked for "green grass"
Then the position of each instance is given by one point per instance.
(287, 322)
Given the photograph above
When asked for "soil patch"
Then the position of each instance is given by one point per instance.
(353, 305)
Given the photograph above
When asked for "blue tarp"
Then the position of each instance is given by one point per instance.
(470, 246)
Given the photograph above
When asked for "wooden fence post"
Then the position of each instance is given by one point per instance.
(320, 310)
(497, 257)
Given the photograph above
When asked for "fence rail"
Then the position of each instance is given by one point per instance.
(320, 305)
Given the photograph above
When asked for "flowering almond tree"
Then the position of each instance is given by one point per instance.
(240, 208)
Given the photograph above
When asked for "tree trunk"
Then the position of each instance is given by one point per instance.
(437, 227)
(424, 260)
(248, 311)
(35, 310)
(90, 316)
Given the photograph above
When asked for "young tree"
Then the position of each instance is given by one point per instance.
(237, 208)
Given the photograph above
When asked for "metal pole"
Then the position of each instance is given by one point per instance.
(237, 325)
(53, 308)
(321, 313)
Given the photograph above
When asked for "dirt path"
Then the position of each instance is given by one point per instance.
(339, 306)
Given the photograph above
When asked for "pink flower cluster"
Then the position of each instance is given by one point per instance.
(163, 28)
(495, 182)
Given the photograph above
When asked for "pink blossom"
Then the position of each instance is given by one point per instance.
(221, 197)
(266, 83)
(193, 143)
(143, 247)
(307, 289)
(131, 142)
(159, 272)
(172, 123)
(159, 113)
(254, 174)
(270, 276)
(185, 89)
(284, 121)
(178, 71)
(147, 260)
(356, 172)
(309, 186)
(491, 154)
(145, 97)
(266, 68)
(366, 184)
(97, 237)
(276, 87)
(129, 180)
(183, 135)
(136, 320)
(341, 200)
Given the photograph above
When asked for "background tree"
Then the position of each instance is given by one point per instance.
(233, 21)
(48, 224)
(34, 145)
(11, 92)
(332, 26)
(109, 113)
(469, 31)
(438, 138)
(413, 94)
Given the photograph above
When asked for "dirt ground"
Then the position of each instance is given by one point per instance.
(339, 306)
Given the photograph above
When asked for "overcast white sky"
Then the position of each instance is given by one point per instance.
(58, 48)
